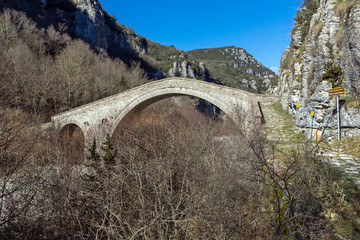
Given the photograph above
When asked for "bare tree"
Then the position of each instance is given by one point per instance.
(19, 177)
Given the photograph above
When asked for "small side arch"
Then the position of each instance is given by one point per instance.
(70, 121)
(72, 143)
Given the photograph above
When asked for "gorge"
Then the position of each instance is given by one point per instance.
(101, 136)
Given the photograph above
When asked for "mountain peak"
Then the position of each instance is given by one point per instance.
(235, 67)
(231, 54)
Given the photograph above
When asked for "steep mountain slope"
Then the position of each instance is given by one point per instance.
(231, 66)
(235, 67)
(324, 53)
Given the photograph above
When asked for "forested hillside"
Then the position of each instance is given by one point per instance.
(85, 20)
(44, 71)
(236, 68)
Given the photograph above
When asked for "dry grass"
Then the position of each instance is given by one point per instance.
(339, 35)
(351, 102)
(300, 52)
(316, 28)
(351, 146)
(342, 7)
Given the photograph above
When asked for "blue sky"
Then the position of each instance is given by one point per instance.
(262, 28)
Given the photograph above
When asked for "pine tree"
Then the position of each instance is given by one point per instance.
(109, 152)
(93, 154)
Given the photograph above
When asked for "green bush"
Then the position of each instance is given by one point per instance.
(308, 8)
(303, 16)
(334, 75)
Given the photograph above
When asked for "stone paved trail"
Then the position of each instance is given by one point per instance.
(276, 125)
(280, 127)
(349, 165)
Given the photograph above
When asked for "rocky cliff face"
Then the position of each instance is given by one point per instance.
(324, 53)
(84, 19)
(92, 25)
(182, 69)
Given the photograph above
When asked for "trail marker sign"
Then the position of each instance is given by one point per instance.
(336, 91)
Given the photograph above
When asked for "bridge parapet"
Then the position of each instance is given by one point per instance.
(265, 98)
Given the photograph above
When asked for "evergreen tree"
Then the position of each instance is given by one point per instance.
(110, 153)
(93, 154)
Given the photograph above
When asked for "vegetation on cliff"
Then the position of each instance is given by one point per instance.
(230, 66)
(235, 67)
(304, 15)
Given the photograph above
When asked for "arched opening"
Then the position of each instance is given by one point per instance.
(72, 143)
(171, 112)
(150, 97)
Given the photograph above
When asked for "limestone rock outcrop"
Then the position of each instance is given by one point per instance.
(182, 69)
(92, 25)
(327, 41)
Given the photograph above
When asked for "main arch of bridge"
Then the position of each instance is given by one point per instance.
(100, 118)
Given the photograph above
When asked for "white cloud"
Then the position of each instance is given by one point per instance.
(275, 69)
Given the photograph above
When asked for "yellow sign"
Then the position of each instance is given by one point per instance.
(298, 105)
(312, 113)
(336, 91)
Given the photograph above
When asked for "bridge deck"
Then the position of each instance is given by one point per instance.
(144, 87)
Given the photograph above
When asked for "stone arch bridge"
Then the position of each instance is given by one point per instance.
(99, 118)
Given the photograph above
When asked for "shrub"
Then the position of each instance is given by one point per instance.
(308, 8)
(304, 15)
(342, 7)
(334, 75)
